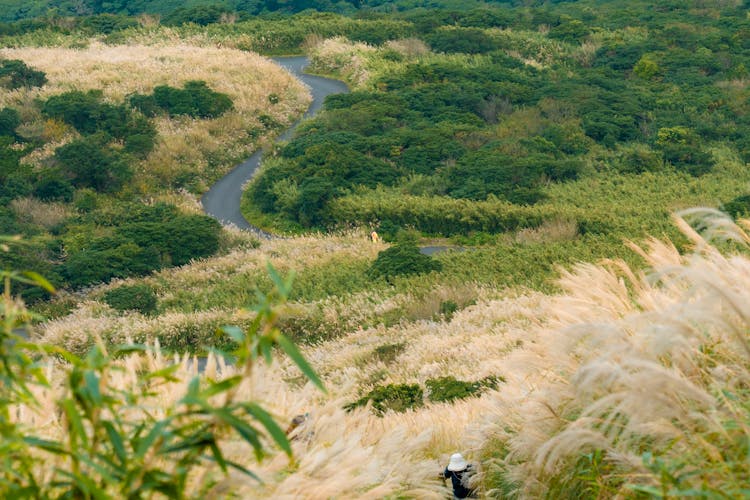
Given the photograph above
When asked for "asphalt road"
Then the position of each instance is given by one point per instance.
(222, 201)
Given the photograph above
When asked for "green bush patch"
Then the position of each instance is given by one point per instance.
(402, 259)
(449, 388)
(396, 397)
(139, 298)
(195, 99)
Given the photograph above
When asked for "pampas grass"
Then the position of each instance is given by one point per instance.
(202, 149)
(618, 368)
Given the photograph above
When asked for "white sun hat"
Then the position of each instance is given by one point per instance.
(458, 462)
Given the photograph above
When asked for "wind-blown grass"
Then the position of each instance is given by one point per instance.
(619, 382)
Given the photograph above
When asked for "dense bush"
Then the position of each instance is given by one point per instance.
(738, 207)
(462, 40)
(86, 112)
(106, 258)
(15, 74)
(395, 397)
(177, 239)
(139, 239)
(446, 389)
(9, 122)
(201, 15)
(53, 186)
(195, 99)
(140, 298)
(89, 163)
(403, 259)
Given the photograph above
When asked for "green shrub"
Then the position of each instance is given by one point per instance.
(738, 207)
(449, 389)
(139, 298)
(195, 99)
(106, 258)
(53, 186)
(447, 309)
(402, 259)
(9, 122)
(14, 74)
(396, 397)
(89, 163)
(386, 353)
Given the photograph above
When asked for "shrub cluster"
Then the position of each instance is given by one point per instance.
(140, 298)
(92, 160)
(395, 397)
(136, 241)
(403, 259)
(446, 389)
(195, 99)
(403, 397)
(15, 74)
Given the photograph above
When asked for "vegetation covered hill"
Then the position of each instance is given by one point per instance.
(536, 140)
(85, 152)
(624, 382)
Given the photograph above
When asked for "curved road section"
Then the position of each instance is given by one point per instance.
(222, 201)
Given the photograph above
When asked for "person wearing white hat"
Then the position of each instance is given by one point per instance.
(459, 472)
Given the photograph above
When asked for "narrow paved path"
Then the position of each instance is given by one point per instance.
(222, 201)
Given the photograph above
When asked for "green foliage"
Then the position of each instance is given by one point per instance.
(446, 389)
(112, 445)
(110, 257)
(201, 15)
(53, 186)
(387, 353)
(9, 122)
(195, 99)
(394, 397)
(403, 259)
(86, 112)
(15, 74)
(590, 475)
(139, 239)
(571, 31)
(738, 207)
(461, 40)
(89, 163)
(646, 68)
(141, 298)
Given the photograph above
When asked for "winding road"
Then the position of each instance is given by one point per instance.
(222, 201)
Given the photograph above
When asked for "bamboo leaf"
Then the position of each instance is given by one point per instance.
(291, 350)
(222, 386)
(244, 429)
(271, 426)
(74, 419)
(46, 444)
(145, 444)
(39, 280)
(92, 385)
(116, 440)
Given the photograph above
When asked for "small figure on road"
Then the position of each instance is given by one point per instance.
(459, 471)
(374, 237)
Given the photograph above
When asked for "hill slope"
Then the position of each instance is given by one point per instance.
(655, 356)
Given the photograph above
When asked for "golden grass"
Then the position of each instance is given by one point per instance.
(201, 147)
(614, 359)
(33, 211)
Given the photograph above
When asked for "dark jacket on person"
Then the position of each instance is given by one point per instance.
(459, 478)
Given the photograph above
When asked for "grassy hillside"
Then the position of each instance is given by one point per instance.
(76, 177)
(623, 382)
(556, 345)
